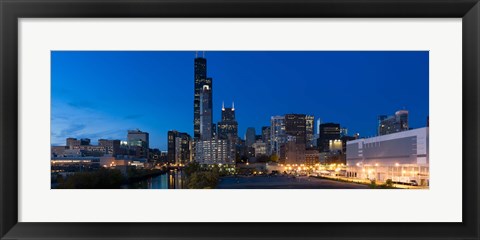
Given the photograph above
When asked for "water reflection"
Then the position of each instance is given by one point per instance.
(170, 180)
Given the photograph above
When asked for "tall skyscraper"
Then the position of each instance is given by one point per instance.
(277, 134)
(179, 147)
(309, 130)
(228, 127)
(266, 131)
(295, 125)
(200, 80)
(171, 140)
(250, 136)
(319, 121)
(393, 124)
(328, 131)
(206, 115)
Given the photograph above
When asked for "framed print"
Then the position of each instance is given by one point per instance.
(226, 119)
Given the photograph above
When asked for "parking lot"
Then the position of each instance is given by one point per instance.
(283, 182)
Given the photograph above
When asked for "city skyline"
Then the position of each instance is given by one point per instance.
(103, 94)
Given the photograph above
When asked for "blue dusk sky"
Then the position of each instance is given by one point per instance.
(102, 94)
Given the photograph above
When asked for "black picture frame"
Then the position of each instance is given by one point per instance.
(11, 11)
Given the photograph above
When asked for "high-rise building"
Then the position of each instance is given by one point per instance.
(309, 130)
(328, 131)
(295, 125)
(319, 121)
(228, 127)
(266, 131)
(292, 152)
(171, 140)
(213, 152)
(393, 124)
(139, 141)
(250, 137)
(228, 114)
(200, 80)
(179, 147)
(138, 138)
(206, 115)
(260, 148)
(277, 134)
(214, 130)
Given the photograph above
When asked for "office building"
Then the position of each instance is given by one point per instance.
(309, 131)
(266, 131)
(58, 151)
(393, 124)
(112, 147)
(250, 137)
(402, 157)
(71, 142)
(179, 147)
(228, 127)
(214, 130)
(206, 114)
(292, 152)
(200, 80)
(312, 157)
(139, 142)
(260, 148)
(138, 138)
(328, 131)
(200, 75)
(278, 135)
(295, 125)
(319, 121)
(214, 152)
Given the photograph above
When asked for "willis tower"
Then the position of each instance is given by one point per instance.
(200, 80)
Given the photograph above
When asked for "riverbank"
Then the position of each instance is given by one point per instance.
(104, 178)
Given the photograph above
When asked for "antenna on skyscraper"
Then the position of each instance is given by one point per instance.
(223, 106)
(233, 106)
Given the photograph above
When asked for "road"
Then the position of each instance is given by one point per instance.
(283, 182)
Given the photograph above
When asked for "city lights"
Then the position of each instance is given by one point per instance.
(209, 143)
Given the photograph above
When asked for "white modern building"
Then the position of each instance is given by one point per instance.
(401, 157)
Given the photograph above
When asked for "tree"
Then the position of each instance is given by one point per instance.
(101, 179)
(191, 168)
(203, 180)
(389, 183)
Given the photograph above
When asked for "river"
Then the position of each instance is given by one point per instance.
(170, 180)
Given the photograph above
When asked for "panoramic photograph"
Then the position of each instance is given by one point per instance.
(239, 120)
